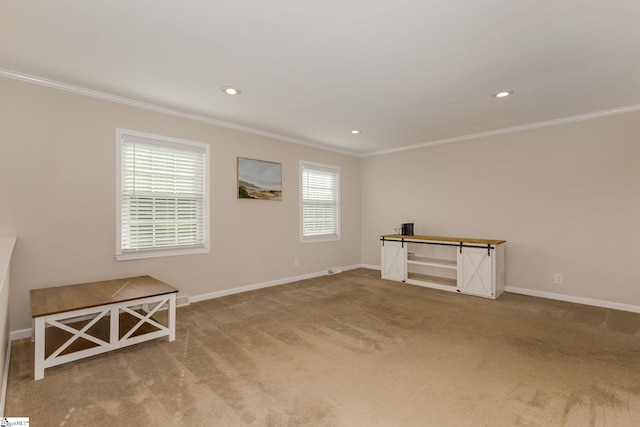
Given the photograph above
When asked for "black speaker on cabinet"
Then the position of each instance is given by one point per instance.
(407, 229)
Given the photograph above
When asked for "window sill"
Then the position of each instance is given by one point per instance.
(317, 239)
(158, 253)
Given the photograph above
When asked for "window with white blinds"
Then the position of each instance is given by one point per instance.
(163, 196)
(319, 202)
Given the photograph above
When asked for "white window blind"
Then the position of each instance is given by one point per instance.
(163, 196)
(320, 202)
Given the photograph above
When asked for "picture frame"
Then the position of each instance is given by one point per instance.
(259, 179)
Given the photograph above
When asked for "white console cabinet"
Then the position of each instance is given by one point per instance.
(469, 266)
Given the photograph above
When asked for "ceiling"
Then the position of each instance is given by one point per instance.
(403, 72)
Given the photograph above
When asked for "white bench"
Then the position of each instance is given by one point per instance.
(100, 317)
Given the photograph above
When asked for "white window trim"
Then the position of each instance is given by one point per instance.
(160, 252)
(323, 238)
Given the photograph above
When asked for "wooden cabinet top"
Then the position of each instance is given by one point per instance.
(61, 299)
(442, 239)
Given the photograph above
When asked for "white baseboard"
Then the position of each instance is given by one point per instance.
(574, 299)
(558, 297)
(26, 333)
(186, 300)
(225, 292)
(515, 290)
(18, 335)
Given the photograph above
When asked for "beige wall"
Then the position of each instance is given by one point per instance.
(57, 169)
(566, 198)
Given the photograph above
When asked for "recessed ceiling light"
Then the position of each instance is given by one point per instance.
(502, 94)
(231, 90)
(355, 131)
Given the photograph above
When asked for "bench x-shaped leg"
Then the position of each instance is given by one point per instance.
(144, 319)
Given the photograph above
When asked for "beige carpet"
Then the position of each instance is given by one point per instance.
(353, 350)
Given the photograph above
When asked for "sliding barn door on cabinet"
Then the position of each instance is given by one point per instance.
(394, 261)
(477, 271)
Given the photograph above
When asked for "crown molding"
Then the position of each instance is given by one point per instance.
(548, 123)
(160, 109)
(215, 122)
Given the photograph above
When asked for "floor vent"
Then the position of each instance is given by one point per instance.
(334, 270)
(182, 301)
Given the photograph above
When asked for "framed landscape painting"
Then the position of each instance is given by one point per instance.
(259, 179)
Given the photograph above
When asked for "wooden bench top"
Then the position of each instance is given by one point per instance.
(61, 299)
(443, 239)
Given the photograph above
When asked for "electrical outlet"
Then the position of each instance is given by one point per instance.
(296, 262)
(557, 278)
